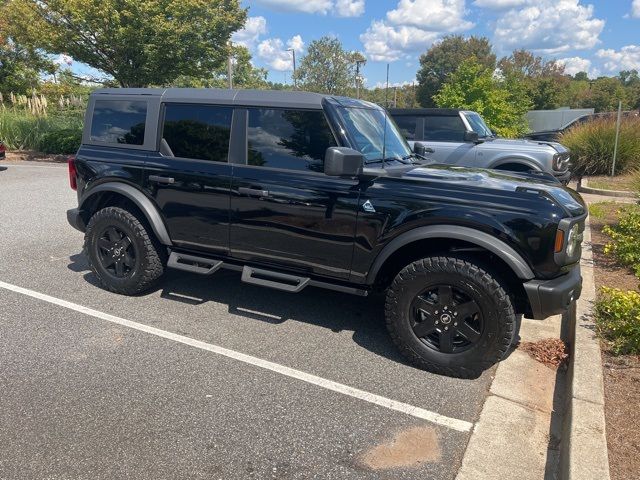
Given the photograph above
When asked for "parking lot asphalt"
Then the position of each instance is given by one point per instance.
(177, 383)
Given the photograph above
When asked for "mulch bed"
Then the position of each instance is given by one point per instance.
(621, 373)
(30, 156)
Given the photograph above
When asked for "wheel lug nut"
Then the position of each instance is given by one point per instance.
(437, 322)
(455, 324)
(436, 312)
(446, 328)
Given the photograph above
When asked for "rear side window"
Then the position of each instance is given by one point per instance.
(407, 124)
(119, 121)
(200, 132)
(444, 129)
(291, 139)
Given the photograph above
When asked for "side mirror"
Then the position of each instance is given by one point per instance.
(343, 162)
(471, 137)
(421, 149)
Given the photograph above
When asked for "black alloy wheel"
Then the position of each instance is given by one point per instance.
(116, 252)
(446, 319)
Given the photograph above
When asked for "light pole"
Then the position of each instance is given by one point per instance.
(295, 82)
(358, 63)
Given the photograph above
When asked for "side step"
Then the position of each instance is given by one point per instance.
(193, 264)
(279, 281)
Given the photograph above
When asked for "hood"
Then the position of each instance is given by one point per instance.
(496, 180)
(521, 144)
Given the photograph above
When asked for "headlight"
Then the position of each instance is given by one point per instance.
(560, 161)
(573, 241)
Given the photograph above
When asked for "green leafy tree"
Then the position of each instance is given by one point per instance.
(474, 87)
(604, 95)
(327, 67)
(20, 67)
(544, 81)
(581, 76)
(443, 58)
(245, 75)
(138, 43)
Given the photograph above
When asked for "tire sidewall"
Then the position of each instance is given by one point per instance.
(494, 328)
(98, 225)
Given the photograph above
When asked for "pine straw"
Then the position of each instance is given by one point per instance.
(550, 351)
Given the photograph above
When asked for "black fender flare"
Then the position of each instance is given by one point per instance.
(482, 239)
(145, 205)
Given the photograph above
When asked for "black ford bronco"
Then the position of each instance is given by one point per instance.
(299, 190)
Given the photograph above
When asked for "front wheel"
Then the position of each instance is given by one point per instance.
(449, 316)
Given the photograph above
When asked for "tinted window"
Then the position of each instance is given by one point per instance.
(292, 139)
(444, 129)
(407, 125)
(200, 132)
(119, 121)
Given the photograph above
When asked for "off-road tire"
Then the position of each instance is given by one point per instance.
(150, 254)
(494, 302)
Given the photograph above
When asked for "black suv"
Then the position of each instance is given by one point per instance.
(299, 189)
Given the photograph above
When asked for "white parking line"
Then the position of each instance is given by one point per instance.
(452, 423)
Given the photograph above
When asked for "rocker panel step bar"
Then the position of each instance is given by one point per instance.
(277, 280)
(193, 264)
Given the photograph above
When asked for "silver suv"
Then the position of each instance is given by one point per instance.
(461, 137)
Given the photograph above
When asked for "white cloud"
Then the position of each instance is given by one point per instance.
(406, 83)
(63, 59)
(499, 4)
(340, 8)
(627, 58)
(349, 8)
(253, 29)
(274, 53)
(433, 15)
(549, 27)
(573, 65)
(413, 26)
(635, 8)
(384, 43)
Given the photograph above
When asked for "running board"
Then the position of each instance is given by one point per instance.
(193, 264)
(279, 281)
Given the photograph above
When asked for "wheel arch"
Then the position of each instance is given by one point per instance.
(517, 160)
(447, 232)
(108, 192)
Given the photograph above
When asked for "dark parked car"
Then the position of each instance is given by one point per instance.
(3, 150)
(555, 135)
(298, 190)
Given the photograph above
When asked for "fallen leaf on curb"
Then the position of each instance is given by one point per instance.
(550, 351)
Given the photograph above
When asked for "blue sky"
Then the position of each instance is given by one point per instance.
(597, 36)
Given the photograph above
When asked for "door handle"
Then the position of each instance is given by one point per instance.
(160, 179)
(253, 192)
(429, 150)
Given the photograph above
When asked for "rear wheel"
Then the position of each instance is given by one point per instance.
(449, 316)
(123, 255)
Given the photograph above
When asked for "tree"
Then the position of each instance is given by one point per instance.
(443, 58)
(474, 87)
(604, 95)
(543, 80)
(245, 75)
(327, 67)
(581, 76)
(138, 43)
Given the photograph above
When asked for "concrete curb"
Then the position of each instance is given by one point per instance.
(583, 450)
(583, 187)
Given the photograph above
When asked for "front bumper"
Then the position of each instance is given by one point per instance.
(550, 297)
(75, 219)
(563, 177)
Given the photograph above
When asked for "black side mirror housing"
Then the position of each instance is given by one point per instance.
(343, 162)
(422, 149)
(471, 137)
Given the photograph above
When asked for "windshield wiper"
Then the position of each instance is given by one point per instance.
(388, 159)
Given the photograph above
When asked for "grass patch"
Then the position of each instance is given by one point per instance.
(56, 133)
(592, 146)
(629, 182)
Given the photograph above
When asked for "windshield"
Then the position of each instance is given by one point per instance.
(478, 125)
(375, 134)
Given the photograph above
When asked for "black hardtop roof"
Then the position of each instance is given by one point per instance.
(273, 98)
(436, 112)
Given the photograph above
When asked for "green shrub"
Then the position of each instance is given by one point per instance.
(20, 130)
(61, 141)
(617, 315)
(625, 237)
(592, 145)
